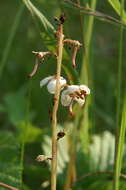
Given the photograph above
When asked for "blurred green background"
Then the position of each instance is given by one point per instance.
(25, 126)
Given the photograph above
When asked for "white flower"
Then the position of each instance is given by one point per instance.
(51, 83)
(74, 93)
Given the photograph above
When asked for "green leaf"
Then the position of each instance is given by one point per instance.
(117, 6)
(2, 108)
(10, 39)
(35, 12)
(120, 147)
(10, 169)
(15, 105)
(102, 151)
(29, 133)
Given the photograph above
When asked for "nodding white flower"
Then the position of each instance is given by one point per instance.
(74, 93)
(51, 83)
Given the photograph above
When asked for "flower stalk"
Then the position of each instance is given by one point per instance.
(60, 37)
(55, 83)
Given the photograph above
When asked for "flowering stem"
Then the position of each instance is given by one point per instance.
(60, 37)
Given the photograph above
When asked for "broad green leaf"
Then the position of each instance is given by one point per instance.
(29, 133)
(15, 106)
(102, 151)
(103, 184)
(116, 4)
(10, 168)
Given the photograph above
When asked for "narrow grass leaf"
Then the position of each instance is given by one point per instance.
(35, 12)
(120, 145)
(117, 6)
(10, 39)
(118, 141)
(85, 75)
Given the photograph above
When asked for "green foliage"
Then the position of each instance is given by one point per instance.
(35, 12)
(103, 183)
(16, 114)
(102, 152)
(24, 121)
(28, 132)
(120, 148)
(10, 168)
(117, 6)
(9, 42)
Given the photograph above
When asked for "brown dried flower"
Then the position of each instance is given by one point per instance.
(75, 46)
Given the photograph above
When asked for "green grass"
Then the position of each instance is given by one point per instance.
(10, 39)
(120, 129)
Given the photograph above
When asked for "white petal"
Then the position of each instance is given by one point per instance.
(45, 80)
(71, 89)
(52, 84)
(80, 101)
(85, 88)
(65, 98)
(62, 81)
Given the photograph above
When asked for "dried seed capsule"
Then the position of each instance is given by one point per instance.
(35, 69)
(41, 55)
(75, 46)
(60, 135)
(42, 158)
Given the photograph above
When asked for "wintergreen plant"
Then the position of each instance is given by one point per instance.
(57, 83)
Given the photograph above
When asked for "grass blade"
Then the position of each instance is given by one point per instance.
(117, 7)
(98, 15)
(119, 142)
(10, 39)
(85, 72)
(35, 12)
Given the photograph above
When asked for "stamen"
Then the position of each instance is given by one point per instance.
(79, 95)
(83, 92)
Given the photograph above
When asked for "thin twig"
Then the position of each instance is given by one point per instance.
(97, 173)
(60, 37)
(91, 12)
(8, 186)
